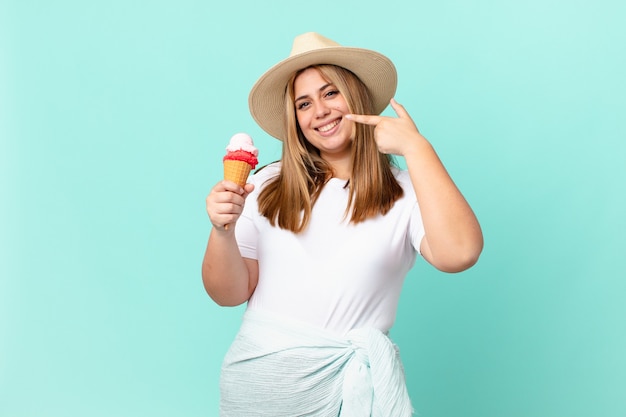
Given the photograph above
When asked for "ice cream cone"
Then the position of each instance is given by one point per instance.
(237, 171)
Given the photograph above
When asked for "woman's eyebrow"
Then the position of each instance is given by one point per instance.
(322, 88)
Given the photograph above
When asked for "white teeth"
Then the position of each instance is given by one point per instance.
(328, 126)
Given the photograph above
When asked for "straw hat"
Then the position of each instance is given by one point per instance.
(267, 96)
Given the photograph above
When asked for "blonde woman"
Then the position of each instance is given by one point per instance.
(324, 238)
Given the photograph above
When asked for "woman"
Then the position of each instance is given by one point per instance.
(324, 238)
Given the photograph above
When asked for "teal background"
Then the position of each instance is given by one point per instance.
(113, 119)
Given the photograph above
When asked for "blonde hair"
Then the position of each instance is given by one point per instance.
(288, 199)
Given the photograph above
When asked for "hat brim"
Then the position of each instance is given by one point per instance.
(266, 99)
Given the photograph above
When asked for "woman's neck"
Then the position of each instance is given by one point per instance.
(341, 166)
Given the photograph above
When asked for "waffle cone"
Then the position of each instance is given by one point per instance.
(236, 171)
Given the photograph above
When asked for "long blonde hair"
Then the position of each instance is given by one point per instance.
(288, 199)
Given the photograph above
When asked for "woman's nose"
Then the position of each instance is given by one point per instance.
(321, 109)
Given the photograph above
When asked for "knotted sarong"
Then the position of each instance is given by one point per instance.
(282, 368)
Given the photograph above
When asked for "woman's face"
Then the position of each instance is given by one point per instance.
(320, 109)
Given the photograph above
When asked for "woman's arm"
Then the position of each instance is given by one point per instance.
(228, 278)
(453, 240)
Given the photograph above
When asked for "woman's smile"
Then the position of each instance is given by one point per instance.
(328, 127)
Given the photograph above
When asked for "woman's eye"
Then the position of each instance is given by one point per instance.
(302, 105)
(332, 93)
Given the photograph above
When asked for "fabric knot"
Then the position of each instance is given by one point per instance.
(358, 391)
(374, 383)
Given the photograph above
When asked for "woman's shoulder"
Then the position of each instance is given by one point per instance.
(404, 179)
(265, 173)
(401, 175)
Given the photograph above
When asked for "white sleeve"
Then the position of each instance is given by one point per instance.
(416, 228)
(246, 232)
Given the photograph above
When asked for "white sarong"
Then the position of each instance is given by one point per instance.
(282, 368)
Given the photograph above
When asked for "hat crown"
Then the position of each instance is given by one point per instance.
(310, 41)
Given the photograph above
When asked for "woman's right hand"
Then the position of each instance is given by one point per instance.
(225, 202)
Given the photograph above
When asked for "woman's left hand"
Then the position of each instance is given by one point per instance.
(393, 135)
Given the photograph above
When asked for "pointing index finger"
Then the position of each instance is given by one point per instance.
(399, 108)
(371, 120)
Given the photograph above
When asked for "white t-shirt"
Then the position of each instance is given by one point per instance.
(335, 275)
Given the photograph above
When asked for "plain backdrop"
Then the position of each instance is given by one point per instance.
(114, 116)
